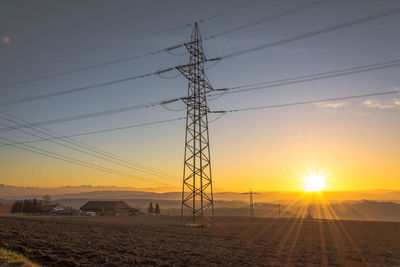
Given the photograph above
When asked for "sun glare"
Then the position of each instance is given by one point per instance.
(314, 182)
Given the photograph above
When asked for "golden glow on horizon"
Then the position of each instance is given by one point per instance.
(314, 182)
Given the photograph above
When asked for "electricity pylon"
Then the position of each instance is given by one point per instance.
(197, 194)
(251, 193)
(279, 211)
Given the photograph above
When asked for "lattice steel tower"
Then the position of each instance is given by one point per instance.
(251, 202)
(197, 194)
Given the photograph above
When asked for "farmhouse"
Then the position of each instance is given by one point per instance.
(114, 208)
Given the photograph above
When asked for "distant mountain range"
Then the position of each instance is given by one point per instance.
(18, 191)
(381, 205)
(113, 192)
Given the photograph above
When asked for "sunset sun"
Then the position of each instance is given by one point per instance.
(314, 182)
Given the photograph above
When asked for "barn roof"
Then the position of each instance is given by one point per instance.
(105, 205)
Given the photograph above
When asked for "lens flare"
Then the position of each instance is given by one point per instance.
(314, 182)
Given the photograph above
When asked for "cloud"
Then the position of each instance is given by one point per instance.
(332, 105)
(373, 103)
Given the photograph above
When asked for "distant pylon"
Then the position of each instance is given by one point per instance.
(251, 193)
(197, 193)
(279, 210)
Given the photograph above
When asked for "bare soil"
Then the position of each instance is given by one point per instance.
(4, 209)
(234, 241)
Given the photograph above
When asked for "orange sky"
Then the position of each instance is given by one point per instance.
(357, 151)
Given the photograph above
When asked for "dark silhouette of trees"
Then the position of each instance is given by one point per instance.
(157, 210)
(30, 206)
(17, 207)
(151, 209)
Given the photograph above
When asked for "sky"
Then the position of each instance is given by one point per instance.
(353, 143)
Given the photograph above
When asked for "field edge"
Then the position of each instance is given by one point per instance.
(9, 258)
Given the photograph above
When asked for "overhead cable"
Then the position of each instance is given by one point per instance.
(231, 90)
(100, 131)
(168, 49)
(79, 148)
(140, 167)
(80, 89)
(308, 102)
(58, 156)
(279, 15)
(305, 78)
(336, 27)
(99, 113)
(118, 42)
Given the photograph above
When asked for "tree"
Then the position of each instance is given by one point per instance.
(17, 207)
(30, 206)
(151, 209)
(14, 207)
(27, 207)
(35, 206)
(157, 209)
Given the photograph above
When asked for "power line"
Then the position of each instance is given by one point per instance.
(308, 102)
(156, 52)
(99, 113)
(276, 43)
(85, 146)
(313, 33)
(112, 62)
(53, 155)
(307, 78)
(279, 15)
(80, 51)
(85, 152)
(168, 49)
(80, 148)
(344, 71)
(199, 83)
(85, 88)
(303, 36)
(182, 118)
(97, 131)
(80, 89)
(318, 76)
(22, 145)
(135, 37)
(230, 90)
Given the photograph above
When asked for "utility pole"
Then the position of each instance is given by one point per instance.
(251, 193)
(279, 211)
(197, 193)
